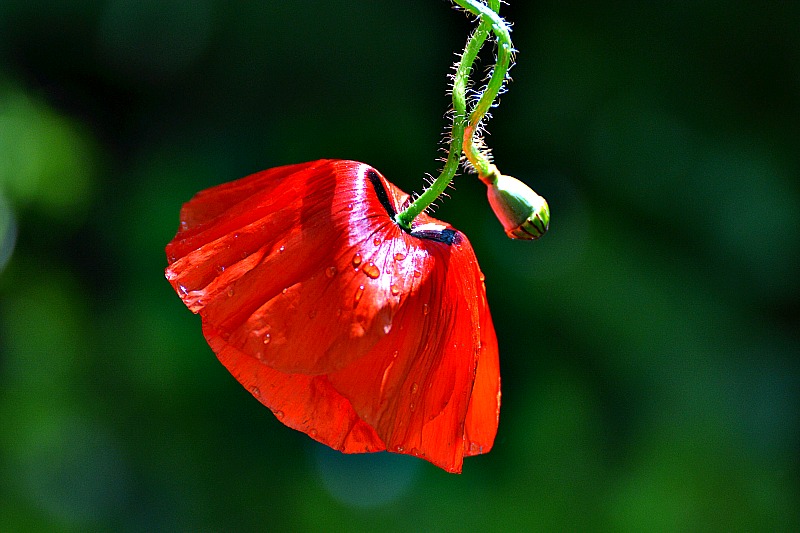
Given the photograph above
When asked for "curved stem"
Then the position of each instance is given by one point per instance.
(490, 21)
(478, 158)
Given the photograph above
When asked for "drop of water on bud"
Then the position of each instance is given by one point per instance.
(482, 277)
(255, 391)
(417, 273)
(281, 249)
(267, 338)
(359, 294)
(357, 260)
(387, 328)
(312, 432)
(371, 270)
(399, 257)
(399, 449)
(411, 406)
(230, 292)
(414, 388)
(425, 309)
(395, 290)
(280, 414)
(376, 241)
(330, 271)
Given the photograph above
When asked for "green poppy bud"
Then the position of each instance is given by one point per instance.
(524, 214)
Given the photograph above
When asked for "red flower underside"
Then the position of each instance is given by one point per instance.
(348, 328)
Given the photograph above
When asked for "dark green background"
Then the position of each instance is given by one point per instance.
(649, 342)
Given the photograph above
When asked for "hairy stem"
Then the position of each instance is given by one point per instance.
(462, 132)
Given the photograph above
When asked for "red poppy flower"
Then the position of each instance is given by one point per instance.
(350, 329)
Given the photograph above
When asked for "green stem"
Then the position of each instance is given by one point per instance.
(477, 157)
(489, 21)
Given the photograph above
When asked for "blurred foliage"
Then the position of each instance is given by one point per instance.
(649, 342)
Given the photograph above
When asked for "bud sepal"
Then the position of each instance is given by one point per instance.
(524, 214)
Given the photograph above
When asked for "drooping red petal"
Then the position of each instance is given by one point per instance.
(350, 329)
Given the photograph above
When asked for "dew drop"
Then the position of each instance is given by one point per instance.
(359, 294)
(280, 414)
(230, 292)
(482, 277)
(312, 432)
(425, 309)
(255, 391)
(399, 449)
(411, 406)
(221, 269)
(183, 290)
(357, 260)
(387, 328)
(376, 241)
(399, 257)
(371, 270)
(395, 290)
(330, 271)
(349, 207)
(414, 388)
(281, 249)
(417, 273)
(394, 355)
(285, 290)
(266, 338)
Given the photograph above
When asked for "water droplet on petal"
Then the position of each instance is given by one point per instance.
(359, 294)
(280, 414)
(285, 290)
(281, 249)
(266, 338)
(376, 241)
(399, 257)
(482, 277)
(230, 292)
(330, 271)
(425, 309)
(371, 270)
(395, 290)
(255, 391)
(394, 355)
(387, 328)
(414, 388)
(349, 207)
(312, 432)
(417, 273)
(183, 290)
(399, 449)
(357, 260)
(220, 269)
(411, 406)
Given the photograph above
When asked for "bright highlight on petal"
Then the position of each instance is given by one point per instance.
(360, 334)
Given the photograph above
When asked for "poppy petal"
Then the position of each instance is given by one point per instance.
(363, 335)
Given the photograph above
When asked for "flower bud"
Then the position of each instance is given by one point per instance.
(524, 214)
